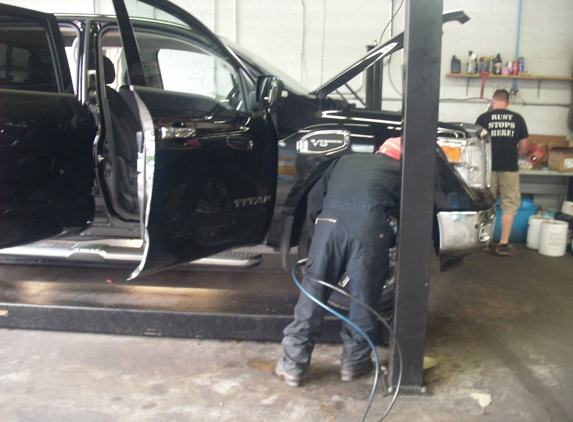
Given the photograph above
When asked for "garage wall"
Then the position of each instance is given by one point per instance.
(313, 40)
(545, 41)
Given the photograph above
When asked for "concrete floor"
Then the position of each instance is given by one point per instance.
(500, 327)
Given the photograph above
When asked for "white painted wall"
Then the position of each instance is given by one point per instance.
(313, 40)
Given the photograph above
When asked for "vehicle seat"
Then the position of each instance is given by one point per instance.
(39, 78)
(124, 127)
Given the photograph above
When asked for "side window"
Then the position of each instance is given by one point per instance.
(196, 72)
(178, 65)
(25, 58)
(184, 65)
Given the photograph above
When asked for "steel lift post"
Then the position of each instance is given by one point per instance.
(422, 50)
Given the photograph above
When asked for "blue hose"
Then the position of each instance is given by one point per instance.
(362, 333)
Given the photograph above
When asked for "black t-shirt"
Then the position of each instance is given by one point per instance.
(506, 129)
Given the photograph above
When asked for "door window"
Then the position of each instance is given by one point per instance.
(178, 65)
(196, 72)
(25, 58)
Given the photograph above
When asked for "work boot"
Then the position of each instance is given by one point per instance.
(356, 371)
(290, 380)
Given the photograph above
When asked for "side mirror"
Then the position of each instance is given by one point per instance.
(267, 91)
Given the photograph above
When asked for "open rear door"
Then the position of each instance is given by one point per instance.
(46, 136)
(208, 165)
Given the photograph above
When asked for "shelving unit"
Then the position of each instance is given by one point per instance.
(538, 78)
(548, 187)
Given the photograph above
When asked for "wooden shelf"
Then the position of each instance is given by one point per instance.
(535, 77)
(538, 78)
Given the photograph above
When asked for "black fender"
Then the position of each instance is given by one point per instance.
(294, 211)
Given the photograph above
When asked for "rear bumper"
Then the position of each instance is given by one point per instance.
(463, 231)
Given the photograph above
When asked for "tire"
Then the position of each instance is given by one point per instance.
(338, 300)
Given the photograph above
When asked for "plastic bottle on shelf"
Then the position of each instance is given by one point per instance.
(471, 67)
(497, 64)
(456, 65)
(521, 65)
(515, 67)
(485, 64)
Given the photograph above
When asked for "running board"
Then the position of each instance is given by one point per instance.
(110, 252)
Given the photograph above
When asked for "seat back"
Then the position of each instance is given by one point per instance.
(122, 130)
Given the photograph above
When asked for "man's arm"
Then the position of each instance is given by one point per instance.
(522, 147)
(524, 134)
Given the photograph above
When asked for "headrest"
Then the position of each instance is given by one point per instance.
(108, 70)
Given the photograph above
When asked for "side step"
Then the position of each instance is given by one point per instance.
(113, 252)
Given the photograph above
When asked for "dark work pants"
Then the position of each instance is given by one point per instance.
(359, 244)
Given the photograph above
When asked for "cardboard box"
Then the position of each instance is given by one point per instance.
(561, 159)
(545, 140)
(549, 142)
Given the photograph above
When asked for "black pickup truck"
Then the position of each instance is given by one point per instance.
(143, 138)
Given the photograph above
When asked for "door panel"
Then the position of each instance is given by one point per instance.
(45, 135)
(209, 170)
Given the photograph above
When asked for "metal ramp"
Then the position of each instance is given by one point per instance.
(250, 304)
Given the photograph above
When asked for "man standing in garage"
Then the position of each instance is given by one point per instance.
(509, 134)
(347, 219)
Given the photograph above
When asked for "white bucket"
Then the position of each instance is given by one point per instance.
(534, 230)
(567, 208)
(553, 239)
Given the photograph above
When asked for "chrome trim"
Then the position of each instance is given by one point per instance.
(146, 169)
(176, 132)
(126, 251)
(329, 220)
(465, 230)
(322, 144)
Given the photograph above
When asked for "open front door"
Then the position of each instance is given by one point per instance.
(208, 163)
(46, 136)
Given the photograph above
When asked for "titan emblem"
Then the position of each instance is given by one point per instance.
(256, 200)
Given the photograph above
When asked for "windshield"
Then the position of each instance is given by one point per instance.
(261, 65)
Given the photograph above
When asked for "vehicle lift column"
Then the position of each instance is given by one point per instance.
(422, 50)
(374, 84)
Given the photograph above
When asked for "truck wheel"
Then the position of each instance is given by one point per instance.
(338, 300)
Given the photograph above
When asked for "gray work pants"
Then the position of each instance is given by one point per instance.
(343, 241)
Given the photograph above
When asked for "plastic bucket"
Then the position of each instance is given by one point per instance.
(567, 208)
(553, 238)
(534, 230)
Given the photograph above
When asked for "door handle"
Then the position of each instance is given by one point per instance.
(171, 137)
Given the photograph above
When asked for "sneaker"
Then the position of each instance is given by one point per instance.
(505, 250)
(290, 380)
(352, 374)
